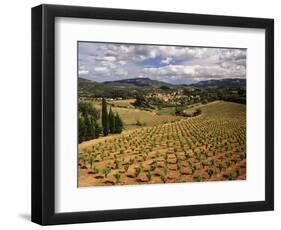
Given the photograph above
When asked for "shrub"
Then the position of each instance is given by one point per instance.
(153, 165)
(165, 170)
(193, 168)
(148, 175)
(106, 171)
(200, 178)
(178, 158)
(210, 172)
(126, 167)
(187, 156)
(117, 176)
(164, 178)
(198, 156)
(228, 163)
(131, 161)
(238, 171)
(116, 162)
(90, 160)
(179, 111)
(179, 167)
(95, 170)
(206, 154)
(204, 163)
(137, 171)
(158, 154)
(221, 166)
(228, 176)
(166, 156)
(242, 156)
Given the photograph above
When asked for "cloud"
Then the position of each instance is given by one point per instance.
(167, 60)
(100, 69)
(83, 72)
(106, 58)
(174, 64)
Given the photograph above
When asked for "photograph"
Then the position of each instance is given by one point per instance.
(150, 114)
(142, 114)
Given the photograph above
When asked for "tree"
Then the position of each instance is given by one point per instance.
(85, 108)
(87, 123)
(94, 128)
(111, 121)
(179, 110)
(205, 101)
(104, 117)
(97, 130)
(81, 130)
(118, 124)
(88, 127)
(141, 101)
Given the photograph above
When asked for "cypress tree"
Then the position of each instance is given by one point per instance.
(88, 127)
(97, 130)
(92, 128)
(118, 124)
(111, 121)
(81, 130)
(104, 117)
(87, 123)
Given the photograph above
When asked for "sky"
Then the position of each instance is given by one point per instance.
(173, 64)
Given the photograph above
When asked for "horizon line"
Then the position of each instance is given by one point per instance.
(163, 81)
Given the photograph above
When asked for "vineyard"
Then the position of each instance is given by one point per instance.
(208, 147)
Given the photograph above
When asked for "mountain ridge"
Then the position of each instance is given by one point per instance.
(147, 82)
(220, 83)
(140, 82)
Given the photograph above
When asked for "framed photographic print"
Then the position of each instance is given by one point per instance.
(142, 114)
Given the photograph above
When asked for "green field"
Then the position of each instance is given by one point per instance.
(136, 118)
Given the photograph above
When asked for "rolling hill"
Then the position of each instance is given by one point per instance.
(220, 83)
(129, 88)
(139, 82)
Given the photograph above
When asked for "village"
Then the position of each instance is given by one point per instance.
(171, 97)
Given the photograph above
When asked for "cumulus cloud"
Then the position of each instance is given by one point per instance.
(174, 64)
(83, 72)
(167, 60)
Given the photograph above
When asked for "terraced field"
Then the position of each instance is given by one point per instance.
(209, 147)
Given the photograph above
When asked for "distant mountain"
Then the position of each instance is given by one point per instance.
(139, 82)
(93, 89)
(80, 79)
(220, 83)
(129, 88)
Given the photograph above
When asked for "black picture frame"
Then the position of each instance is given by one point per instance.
(43, 114)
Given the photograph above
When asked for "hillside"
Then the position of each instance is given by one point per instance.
(220, 83)
(139, 82)
(209, 147)
(149, 83)
(92, 89)
(130, 88)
